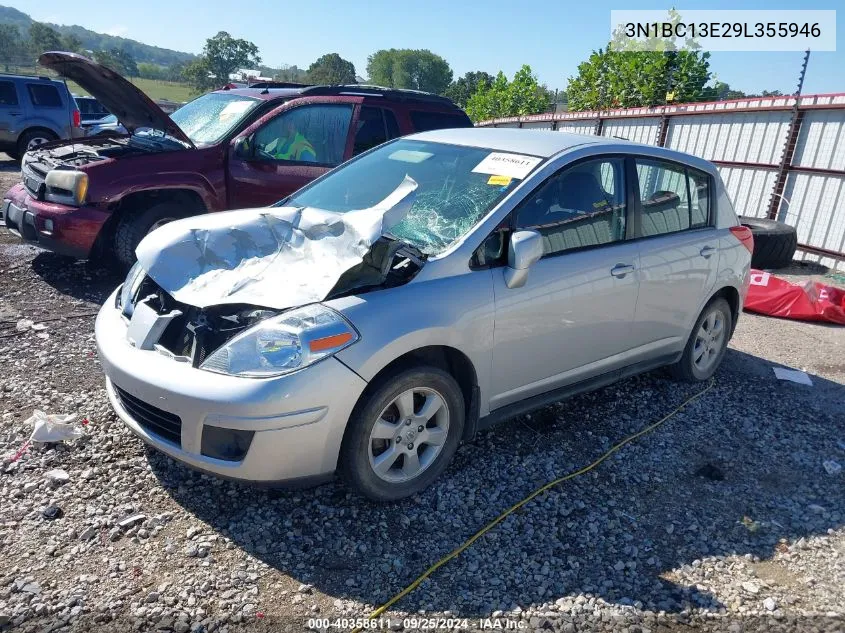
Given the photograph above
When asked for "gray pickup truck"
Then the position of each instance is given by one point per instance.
(33, 111)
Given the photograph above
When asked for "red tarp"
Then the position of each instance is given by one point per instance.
(807, 301)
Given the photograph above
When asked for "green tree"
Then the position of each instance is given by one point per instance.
(105, 58)
(523, 95)
(331, 69)
(147, 70)
(125, 62)
(42, 38)
(408, 68)
(631, 73)
(71, 43)
(222, 55)
(720, 91)
(462, 88)
(10, 45)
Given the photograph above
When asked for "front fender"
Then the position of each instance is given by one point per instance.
(454, 312)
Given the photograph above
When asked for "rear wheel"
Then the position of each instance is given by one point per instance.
(134, 226)
(707, 344)
(403, 434)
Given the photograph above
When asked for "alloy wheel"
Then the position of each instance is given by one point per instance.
(408, 435)
(709, 340)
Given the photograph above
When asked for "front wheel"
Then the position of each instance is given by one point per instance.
(135, 225)
(403, 434)
(707, 344)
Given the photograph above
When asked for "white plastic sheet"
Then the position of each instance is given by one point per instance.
(53, 427)
(276, 257)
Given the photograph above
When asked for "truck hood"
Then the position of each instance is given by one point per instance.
(276, 257)
(133, 108)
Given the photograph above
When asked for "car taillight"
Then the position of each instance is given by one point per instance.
(77, 118)
(744, 235)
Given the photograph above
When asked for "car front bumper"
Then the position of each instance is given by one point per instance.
(70, 231)
(296, 422)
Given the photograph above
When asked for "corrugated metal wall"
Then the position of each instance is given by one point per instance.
(747, 140)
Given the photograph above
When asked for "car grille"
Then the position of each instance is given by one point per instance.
(33, 179)
(167, 426)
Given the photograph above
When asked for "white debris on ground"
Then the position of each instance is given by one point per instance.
(722, 519)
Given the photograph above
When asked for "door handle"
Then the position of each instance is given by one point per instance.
(620, 270)
(707, 251)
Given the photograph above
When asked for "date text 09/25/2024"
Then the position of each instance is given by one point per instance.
(416, 624)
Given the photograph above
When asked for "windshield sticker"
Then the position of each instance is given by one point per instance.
(502, 181)
(410, 156)
(502, 164)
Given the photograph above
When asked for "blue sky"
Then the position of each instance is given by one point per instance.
(470, 34)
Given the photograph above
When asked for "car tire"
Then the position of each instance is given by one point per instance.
(704, 344)
(134, 225)
(774, 242)
(376, 455)
(30, 136)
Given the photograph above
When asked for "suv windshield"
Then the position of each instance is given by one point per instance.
(455, 189)
(210, 117)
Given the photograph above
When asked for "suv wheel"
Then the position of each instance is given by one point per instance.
(135, 225)
(33, 138)
(403, 434)
(707, 343)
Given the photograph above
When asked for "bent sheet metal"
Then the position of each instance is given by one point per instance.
(277, 257)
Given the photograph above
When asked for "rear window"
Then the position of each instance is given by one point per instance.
(44, 95)
(424, 121)
(8, 94)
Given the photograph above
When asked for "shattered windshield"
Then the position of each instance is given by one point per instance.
(210, 117)
(457, 186)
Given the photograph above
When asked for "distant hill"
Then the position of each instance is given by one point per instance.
(99, 41)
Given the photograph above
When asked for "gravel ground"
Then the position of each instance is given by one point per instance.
(724, 518)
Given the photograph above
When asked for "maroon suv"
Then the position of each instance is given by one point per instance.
(225, 150)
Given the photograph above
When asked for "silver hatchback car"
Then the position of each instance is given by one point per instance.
(383, 314)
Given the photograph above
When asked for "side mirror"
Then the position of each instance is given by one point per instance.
(243, 147)
(525, 250)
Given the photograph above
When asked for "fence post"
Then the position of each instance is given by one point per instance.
(599, 126)
(793, 131)
(663, 130)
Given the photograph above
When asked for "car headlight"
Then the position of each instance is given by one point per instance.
(283, 344)
(66, 186)
(129, 288)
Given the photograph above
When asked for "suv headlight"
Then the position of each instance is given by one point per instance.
(66, 186)
(283, 344)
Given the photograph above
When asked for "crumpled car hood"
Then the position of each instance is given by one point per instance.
(276, 257)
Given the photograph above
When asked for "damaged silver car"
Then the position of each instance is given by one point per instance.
(374, 320)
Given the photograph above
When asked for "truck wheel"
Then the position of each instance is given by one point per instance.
(774, 242)
(134, 226)
(33, 138)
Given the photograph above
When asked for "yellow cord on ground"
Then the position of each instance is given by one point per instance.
(458, 550)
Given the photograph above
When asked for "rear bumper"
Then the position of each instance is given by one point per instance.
(62, 229)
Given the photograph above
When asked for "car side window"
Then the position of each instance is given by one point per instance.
(44, 96)
(371, 129)
(392, 125)
(579, 207)
(699, 187)
(307, 134)
(665, 199)
(424, 121)
(8, 94)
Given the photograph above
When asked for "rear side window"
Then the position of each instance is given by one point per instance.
(371, 129)
(672, 198)
(392, 125)
(44, 96)
(307, 134)
(8, 94)
(424, 121)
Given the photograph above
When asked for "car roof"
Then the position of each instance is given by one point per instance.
(54, 80)
(543, 143)
(267, 92)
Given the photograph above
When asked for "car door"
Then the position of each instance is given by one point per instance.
(678, 251)
(286, 151)
(572, 319)
(11, 113)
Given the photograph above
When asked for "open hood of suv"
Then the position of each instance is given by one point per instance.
(133, 108)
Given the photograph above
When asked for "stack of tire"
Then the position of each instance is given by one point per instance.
(774, 242)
